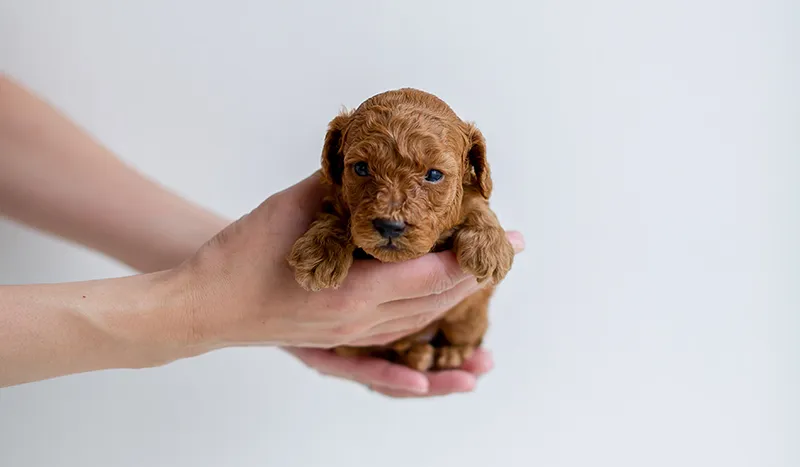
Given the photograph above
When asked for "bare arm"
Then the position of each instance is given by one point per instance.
(56, 178)
(61, 329)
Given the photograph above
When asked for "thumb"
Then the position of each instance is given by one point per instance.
(431, 274)
(303, 199)
(293, 207)
(310, 187)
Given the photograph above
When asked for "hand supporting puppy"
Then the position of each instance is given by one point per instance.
(376, 304)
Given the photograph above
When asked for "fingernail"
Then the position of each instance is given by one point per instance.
(517, 241)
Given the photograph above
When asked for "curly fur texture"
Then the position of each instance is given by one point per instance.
(399, 136)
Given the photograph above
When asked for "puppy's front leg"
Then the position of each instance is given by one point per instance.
(481, 245)
(323, 255)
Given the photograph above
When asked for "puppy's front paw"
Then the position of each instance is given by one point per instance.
(485, 253)
(320, 264)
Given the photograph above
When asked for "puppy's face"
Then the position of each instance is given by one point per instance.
(400, 164)
(401, 197)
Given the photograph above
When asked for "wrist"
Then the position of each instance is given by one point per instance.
(53, 330)
(157, 325)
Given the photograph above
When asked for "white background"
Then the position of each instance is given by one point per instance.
(648, 150)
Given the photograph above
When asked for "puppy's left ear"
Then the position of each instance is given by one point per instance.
(478, 172)
(332, 157)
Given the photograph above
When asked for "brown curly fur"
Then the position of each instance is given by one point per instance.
(401, 134)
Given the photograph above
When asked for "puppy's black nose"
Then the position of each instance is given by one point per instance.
(388, 228)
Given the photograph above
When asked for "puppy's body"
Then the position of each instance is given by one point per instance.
(406, 177)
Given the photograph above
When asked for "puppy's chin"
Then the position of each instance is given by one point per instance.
(400, 249)
(391, 253)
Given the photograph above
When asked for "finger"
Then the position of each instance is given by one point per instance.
(428, 309)
(431, 274)
(391, 330)
(294, 206)
(441, 384)
(451, 381)
(480, 363)
(365, 370)
(517, 240)
(425, 310)
(383, 338)
(310, 186)
(435, 304)
(397, 393)
(302, 200)
(412, 325)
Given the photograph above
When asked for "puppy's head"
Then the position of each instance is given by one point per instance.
(401, 164)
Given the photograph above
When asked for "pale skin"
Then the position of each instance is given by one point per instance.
(193, 295)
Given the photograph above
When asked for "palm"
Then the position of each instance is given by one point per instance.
(396, 380)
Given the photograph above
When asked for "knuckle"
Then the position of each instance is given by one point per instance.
(454, 296)
(433, 282)
(444, 300)
(440, 281)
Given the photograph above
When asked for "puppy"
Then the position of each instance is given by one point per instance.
(406, 176)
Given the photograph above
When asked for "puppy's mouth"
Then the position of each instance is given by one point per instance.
(389, 245)
(386, 250)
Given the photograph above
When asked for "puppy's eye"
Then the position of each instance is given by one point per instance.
(361, 169)
(433, 176)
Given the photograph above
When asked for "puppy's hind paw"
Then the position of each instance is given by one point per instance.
(453, 357)
(419, 357)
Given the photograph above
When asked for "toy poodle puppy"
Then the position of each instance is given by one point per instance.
(406, 176)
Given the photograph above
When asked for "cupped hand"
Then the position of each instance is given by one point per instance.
(245, 293)
(395, 380)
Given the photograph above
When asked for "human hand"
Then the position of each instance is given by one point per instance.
(246, 294)
(395, 380)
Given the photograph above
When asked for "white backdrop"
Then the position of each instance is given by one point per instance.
(648, 150)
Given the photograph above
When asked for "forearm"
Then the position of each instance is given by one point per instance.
(54, 330)
(56, 178)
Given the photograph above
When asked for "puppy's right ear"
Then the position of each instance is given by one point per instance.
(332, 156)
(479, 174)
